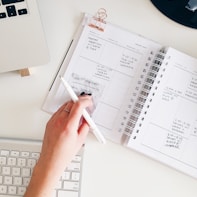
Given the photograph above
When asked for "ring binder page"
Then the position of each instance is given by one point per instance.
(167, 126)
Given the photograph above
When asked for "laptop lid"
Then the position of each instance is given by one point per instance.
(22, 39)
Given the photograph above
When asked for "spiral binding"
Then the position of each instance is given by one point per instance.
(148, 83)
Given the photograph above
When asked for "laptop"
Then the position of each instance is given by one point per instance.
(22, 39)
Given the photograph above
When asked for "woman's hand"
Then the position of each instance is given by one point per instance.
(65, 133)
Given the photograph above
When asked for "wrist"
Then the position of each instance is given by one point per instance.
(43, 181)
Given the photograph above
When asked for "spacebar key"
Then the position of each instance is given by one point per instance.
(5, 2)
(62, 193)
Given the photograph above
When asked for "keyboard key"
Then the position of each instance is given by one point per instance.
(3, 189)
(16, 171)
(12, 190)
(6, 170)
(26, 181)
(17, 181)
(75, 176)
(67, 193)
(25, 154)
(26, 172)
(11, 161)
(74, 166)
(77, 158)
(66, 176)
(22, 11)
(21, 162)
(21, 191)
(3, 160)
(2, 15)
(11, 10)
(4, 2)
(5, 152)
(7, 180)
(68, 185)
(31, 163)
(14, 153)
(35, 155)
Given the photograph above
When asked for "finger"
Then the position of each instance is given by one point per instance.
(62, 117)
(62, 110)
(84, 128)
(83, 132)
(77, 109)
(58, 111)
(66, 110)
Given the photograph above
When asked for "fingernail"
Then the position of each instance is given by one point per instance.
(82, 93)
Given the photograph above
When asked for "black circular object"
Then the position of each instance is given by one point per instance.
(181, 11)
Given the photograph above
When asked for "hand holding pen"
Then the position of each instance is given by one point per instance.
(86, 116)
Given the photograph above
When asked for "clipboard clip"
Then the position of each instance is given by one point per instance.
(98, 21)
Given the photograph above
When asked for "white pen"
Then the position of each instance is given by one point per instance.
(86, 116)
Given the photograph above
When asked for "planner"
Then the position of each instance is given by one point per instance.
(144, 94)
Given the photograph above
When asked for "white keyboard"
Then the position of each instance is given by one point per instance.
(17, 160)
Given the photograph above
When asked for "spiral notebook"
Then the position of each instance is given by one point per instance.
(144, 94)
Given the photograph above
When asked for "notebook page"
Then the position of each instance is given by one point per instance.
(106, 64)
(167, 127)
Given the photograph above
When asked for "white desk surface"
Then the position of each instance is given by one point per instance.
(108, 170)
